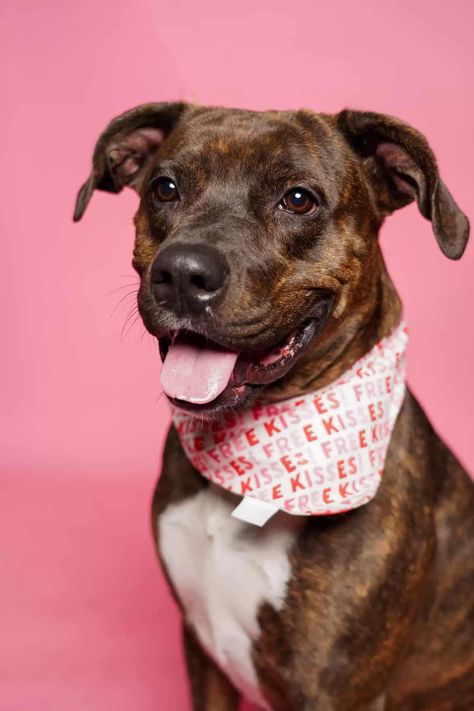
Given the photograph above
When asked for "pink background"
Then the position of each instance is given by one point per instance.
(85, 619)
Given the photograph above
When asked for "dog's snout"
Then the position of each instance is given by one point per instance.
(188, 277)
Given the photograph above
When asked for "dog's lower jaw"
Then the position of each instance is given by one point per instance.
(231, 399)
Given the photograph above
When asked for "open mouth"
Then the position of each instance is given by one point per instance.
(204, 378)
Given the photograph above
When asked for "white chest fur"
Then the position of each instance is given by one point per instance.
(222, 570)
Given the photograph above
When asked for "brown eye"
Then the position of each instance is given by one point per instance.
(165, 190)
(298, 201)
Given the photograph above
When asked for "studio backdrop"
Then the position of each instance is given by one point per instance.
(85, 617)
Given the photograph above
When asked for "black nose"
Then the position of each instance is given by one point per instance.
(188, 277)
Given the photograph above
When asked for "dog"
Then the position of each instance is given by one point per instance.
(262, 278)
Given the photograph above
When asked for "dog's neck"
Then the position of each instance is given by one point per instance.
(344, 344)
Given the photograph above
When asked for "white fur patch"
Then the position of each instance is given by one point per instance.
(222, 570)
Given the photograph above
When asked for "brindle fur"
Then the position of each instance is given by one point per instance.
(379, 609)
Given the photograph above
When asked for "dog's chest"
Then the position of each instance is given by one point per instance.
(223, 569)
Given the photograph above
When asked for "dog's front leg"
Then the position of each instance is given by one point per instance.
(210, 689)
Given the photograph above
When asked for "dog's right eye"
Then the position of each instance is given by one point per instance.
(165, 190)
(298, 201)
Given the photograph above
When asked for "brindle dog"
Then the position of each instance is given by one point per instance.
(253, 226)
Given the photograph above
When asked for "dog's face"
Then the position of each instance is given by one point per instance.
(256, 236)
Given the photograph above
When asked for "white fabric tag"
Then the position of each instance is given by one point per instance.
(254, 511)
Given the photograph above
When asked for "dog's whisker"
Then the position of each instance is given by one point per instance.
(124, 298)
(135, 284)
(126, 333)
(146, 333)
(132, 312)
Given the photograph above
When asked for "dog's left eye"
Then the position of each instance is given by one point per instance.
(298, 201)
(165, 190)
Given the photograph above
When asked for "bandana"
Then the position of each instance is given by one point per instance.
(317, 454)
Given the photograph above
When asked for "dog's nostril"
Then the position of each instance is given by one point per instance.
(162, 278)
(203, 283)
(198, 281)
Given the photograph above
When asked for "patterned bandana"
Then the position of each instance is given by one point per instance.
(317, 454)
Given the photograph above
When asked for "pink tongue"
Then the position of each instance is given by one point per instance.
(196, 374)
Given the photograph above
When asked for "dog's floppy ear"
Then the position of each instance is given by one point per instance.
(402, 168)
(124, 149)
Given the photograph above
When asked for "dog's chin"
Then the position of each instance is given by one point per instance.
(231, 399)
(252, 370)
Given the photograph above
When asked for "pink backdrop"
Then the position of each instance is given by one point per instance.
(85, 619)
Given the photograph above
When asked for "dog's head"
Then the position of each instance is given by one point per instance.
(256, 236)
